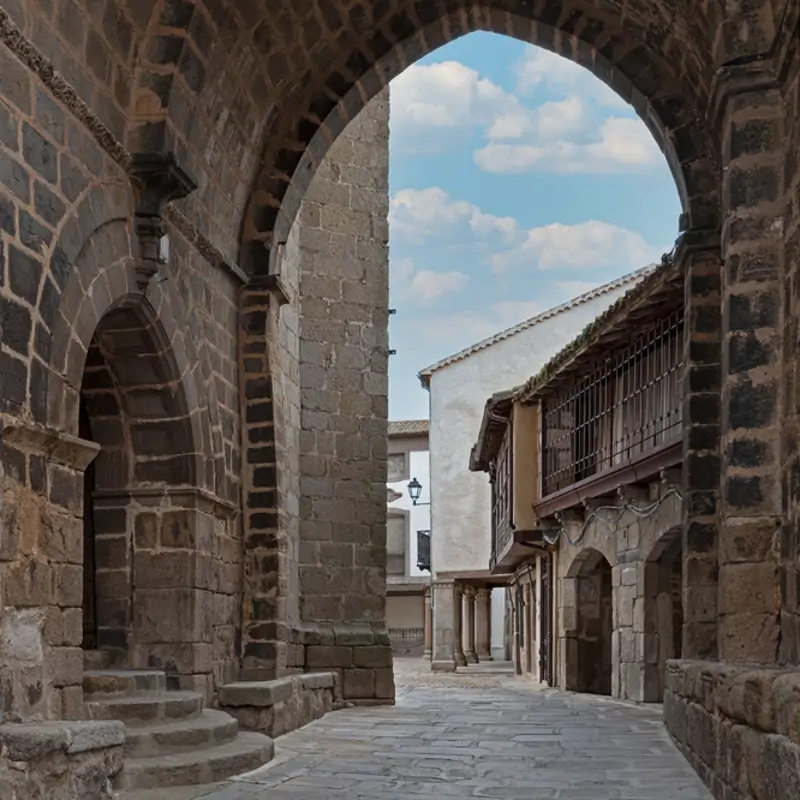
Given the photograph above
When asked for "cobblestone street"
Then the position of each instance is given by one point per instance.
(481, 734)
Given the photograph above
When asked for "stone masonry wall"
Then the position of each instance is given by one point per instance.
(636, 549)
(343, 258)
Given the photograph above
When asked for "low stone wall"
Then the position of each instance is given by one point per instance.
(60, 760)
(738, 725)
(283, 705)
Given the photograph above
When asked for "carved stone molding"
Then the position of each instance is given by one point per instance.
(62, 448)
(157, 180)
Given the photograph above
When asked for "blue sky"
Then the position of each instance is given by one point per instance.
(518, 180)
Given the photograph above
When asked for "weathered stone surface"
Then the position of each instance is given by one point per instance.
(280, 706)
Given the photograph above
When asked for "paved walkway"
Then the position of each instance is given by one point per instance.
(496, 737)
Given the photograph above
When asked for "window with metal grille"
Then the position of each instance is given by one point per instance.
(627, 406)
(501, 494)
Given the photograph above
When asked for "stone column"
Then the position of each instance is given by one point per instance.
(753, 291)
(444, 604)
(458, 626)
(528, 612)
(427, 623)
(483, 624)
(469, 622)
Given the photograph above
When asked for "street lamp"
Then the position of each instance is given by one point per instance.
(414, 491)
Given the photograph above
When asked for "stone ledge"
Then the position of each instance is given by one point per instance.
(339, 635)
(283, 705)
(61, 760)
(762, 697)
(738, 725)
(34, 741)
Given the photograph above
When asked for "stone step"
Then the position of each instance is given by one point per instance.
(99, 683)
(247, 752)
(146, 708)
(210, 729)
(97, 659)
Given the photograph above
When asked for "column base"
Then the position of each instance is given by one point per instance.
(460, 659)
(471, 656)
(427, 654)
(443, 666)
(485, 657)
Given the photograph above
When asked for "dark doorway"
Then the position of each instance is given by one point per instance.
(595, 624)
(89, 574)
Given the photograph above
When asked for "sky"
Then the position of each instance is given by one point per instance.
(518, 180)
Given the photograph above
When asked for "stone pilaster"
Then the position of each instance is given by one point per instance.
(426, 623)
(458, 626)
(469, 624)
(700, 255)
(748, 598)
(444, 605)
(483, 624)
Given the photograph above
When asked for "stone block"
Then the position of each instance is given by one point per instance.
(373, 657)
(322, 657)
(257, 694)
(358, 684)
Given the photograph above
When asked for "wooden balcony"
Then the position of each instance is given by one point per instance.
(618, 423)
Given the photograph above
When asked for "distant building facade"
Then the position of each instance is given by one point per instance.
(408, 537)
(460, 516)
(584, 470)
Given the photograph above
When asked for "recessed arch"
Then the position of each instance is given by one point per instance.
(663, 611)
(589, 643)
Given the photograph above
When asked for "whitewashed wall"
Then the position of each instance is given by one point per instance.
(420, 515)
(458, 394)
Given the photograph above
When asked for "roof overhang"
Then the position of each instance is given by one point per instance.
(658, 294)
(496, 416)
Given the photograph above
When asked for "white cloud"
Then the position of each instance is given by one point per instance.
(586, 245)
(625, 144)
(423, 285)
(540, 67)
(419, 215)
(445, 95)
(430, 217)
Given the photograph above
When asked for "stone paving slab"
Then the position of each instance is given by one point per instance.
(502, 741)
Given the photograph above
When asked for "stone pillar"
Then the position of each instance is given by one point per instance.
(752, 337)
(444, 604)
(483, 624)
(469, 623)
(427, 623)
(701, 440)
(528, 611)
(342, 249)
(458, 626)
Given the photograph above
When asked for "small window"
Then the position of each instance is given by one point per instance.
(397, 467)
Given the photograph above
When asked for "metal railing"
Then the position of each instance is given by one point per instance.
(625, 407)
(501, 478)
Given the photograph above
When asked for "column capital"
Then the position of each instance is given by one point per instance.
(483, 593)
(469, 592)
(729, 81)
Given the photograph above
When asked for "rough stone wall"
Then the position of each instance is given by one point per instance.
(65, 248)
(635, 548)
(344, 403)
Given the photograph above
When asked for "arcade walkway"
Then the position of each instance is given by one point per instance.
(475, 734)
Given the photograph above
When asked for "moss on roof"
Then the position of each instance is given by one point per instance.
(584, 340)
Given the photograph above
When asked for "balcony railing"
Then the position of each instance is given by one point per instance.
(626, 407)
(501, 476)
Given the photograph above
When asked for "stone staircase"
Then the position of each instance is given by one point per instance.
(172, 740)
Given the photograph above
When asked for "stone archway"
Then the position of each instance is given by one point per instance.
(663, 612)
(589, 645)
(140, 550)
